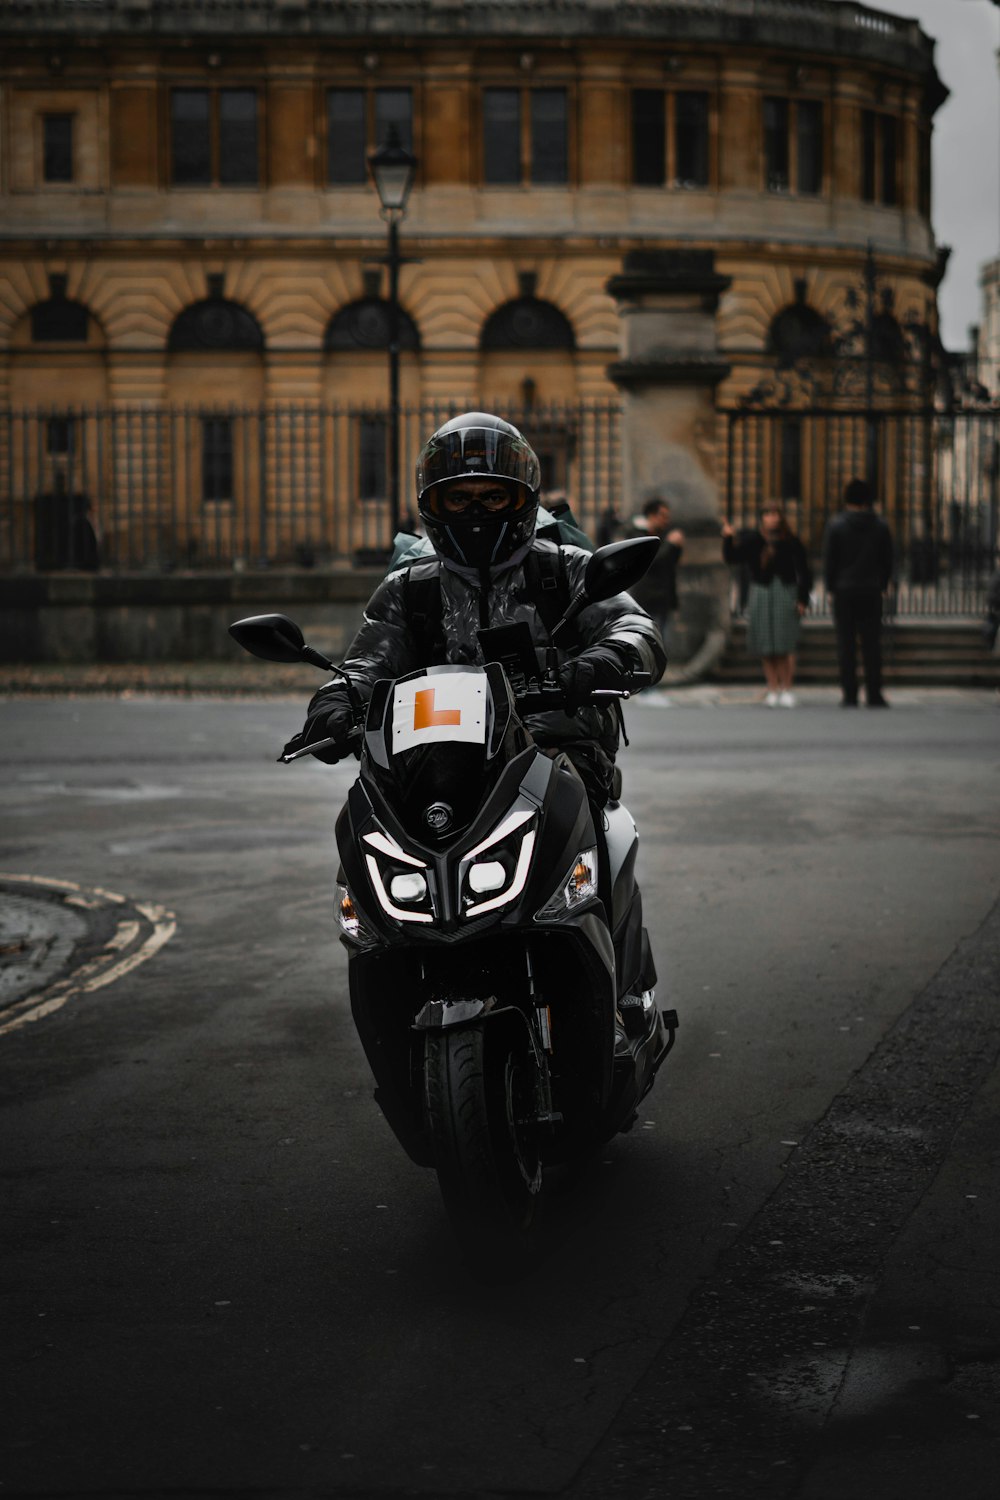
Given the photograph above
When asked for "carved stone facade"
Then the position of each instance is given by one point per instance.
(182, 188)
(188, 221)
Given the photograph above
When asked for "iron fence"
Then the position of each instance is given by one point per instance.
(936, 477)
(146, 488)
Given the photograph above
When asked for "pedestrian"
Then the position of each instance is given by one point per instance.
(857, 572)
(656, 591)
(780, 582)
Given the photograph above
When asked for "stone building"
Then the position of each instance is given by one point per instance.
(191, 252)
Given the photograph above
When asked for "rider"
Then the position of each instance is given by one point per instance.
(477, 492)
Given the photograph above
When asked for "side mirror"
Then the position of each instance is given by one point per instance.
(616, 567)
(611, 570)
(271, 637)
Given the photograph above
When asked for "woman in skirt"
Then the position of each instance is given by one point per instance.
(778, 597)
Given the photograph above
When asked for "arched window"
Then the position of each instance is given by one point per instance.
(527, 323)
(59, 320)
(365, 325)
(888, 343)
(215, 325)
(797, 333)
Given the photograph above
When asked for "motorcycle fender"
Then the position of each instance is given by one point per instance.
(439, 1015)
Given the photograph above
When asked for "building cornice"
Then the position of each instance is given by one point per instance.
(816, 26)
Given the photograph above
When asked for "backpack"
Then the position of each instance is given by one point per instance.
(544, 570)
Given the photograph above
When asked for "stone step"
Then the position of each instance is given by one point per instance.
(926, 652)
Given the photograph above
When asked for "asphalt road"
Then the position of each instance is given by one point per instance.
(223, 1274)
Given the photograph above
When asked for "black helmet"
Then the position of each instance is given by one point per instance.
(477, 445)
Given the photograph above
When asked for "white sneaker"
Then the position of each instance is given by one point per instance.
(787, 700)
(771, 701)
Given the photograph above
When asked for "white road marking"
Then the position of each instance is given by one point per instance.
(106, 966)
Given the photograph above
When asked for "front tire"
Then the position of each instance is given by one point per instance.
(479, 1095)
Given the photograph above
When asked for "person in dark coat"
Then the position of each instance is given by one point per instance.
(478, 496)
(857, 571)
(778, 596)
(656, 591)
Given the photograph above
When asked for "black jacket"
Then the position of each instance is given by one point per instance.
(857, 552)
(788, 560)
(390, 643)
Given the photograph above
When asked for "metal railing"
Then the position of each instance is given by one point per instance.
(161, 489)
(936, 477)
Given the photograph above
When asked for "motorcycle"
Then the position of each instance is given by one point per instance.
(501, 979)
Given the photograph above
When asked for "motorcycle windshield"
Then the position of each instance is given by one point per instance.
(441, 746)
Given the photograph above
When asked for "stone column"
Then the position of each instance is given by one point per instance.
(669, 370)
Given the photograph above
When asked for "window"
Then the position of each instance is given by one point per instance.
(776, 154)
(690, 139)
(669, 145)
(57, 148)
(889, 150)
(924, 173)
(502, 135)
(59, 436)
(793, 145)
(809, 144)
(358, 120)
(216, 459)
(525, 136)
(214, 137)
(791, 459)
(649, 137)
(549, 153)
(372, 471)
(879, 158)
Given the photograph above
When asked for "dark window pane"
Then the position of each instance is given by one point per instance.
(776, 145)
(924, 174)
(691, 139)
(810, 144)
(791, 460)
(548, 135)
(889, 154)
(216, 458)
(649, 155)
(372, 434)
(190, 137)
(57, 148)
(346, 136)
(59, 435)
(868, 155)
(394, 107)
(501, 135)
(238, 137)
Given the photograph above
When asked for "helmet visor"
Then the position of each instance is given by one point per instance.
(479, 451)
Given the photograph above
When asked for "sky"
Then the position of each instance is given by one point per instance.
(966, 153)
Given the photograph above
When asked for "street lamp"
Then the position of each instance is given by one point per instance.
(393, 169)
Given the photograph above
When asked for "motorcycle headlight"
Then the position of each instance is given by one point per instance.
(398, 879)
(495, 872)
(579, 885)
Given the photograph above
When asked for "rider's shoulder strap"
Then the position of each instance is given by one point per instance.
(424, 609)
(545, 571)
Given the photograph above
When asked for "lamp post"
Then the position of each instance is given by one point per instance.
(393, 169)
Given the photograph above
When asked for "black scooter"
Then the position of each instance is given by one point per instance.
(501, 979)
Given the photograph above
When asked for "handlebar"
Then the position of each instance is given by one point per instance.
(545, 697)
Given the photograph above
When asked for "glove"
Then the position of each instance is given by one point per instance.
(599, 667)
(326, 723)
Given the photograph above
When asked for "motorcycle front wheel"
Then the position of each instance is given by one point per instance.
(479, 1096)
